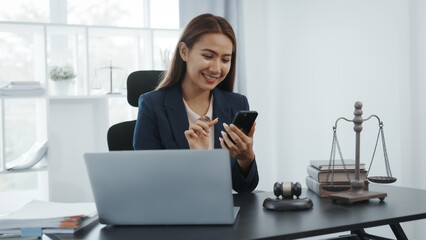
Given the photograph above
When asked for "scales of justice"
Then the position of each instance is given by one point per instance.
(357, 192)
(110, 68)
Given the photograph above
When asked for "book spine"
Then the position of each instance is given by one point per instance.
(338, 176)
(323, 165)
(313, 185)
(313, 172)
(316, 187)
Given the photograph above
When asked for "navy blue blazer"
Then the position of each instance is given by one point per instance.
(162, 121)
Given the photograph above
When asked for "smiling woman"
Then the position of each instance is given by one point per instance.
(198, 86)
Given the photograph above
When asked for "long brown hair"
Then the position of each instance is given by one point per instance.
(202, 24)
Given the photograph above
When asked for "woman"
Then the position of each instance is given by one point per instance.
(196, 89)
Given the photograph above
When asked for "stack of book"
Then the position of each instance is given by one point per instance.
(319, 169)
(22, 88)
(38, 217)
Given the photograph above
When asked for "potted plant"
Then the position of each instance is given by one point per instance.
(62, 76)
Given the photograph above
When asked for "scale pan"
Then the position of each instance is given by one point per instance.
(336, 188)
(381, 179)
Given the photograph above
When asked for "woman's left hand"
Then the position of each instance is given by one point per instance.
(242, 149)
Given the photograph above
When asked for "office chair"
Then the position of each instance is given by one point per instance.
(120, 135)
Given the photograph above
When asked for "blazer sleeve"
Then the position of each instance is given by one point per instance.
(146, 135)
(243, 184)
(240, 183)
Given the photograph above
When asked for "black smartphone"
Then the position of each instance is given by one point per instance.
(244, 120)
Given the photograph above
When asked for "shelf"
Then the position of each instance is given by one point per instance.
(85, 97)
(21, 96)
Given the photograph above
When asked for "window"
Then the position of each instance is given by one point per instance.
(164, 46)
(164, 17)
(102, 40)
(24, 11)
(22, 55)
(114, 54)
(67, 46)
(23, 119)
(122, 13)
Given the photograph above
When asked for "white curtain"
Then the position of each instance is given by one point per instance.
(232, 11)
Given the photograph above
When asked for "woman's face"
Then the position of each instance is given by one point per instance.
(208, 61)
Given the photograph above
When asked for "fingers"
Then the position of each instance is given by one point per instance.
(222, 144)
(230, 137)
(240, 150)
(200, 127)
(189, 134)
(251, 133)
(233, 143)
(238, 136)
(228, 142)
(241, 145)
(198, 134)
(240, 133)
(212, 123)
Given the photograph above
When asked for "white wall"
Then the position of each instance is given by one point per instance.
(418, 81)
(308, 61)
(417, 165)
(76, 126)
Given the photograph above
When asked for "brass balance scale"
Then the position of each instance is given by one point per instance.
(357, 193)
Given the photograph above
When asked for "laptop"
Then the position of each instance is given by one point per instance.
(159, 187)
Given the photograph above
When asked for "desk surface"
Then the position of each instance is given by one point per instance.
(402, 204)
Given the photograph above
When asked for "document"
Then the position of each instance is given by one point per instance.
(49, 217)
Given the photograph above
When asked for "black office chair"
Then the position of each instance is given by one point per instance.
(120, 135)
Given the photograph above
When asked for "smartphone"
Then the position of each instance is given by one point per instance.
(244, 120)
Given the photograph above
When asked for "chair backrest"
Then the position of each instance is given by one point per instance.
(140, 82)
(120, 135)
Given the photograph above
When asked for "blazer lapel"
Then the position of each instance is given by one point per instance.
(222, 111)
(176, 114)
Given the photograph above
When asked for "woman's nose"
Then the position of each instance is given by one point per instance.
(215, 66)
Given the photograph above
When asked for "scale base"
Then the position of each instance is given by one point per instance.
(350, 197)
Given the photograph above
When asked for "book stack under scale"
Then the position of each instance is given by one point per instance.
(318, 171)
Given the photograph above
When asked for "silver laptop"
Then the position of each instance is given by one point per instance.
(156, 187)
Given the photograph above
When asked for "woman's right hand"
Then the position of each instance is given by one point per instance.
(198, 134)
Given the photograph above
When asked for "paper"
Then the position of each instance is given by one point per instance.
(24, 88)
(30, 158)
(46, 214)
(46, 210)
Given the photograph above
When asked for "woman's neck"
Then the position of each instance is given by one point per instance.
(197, 99)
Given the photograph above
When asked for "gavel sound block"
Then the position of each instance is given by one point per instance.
(288, 190)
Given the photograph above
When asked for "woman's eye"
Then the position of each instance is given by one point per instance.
(226, 60)
(207, 56)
